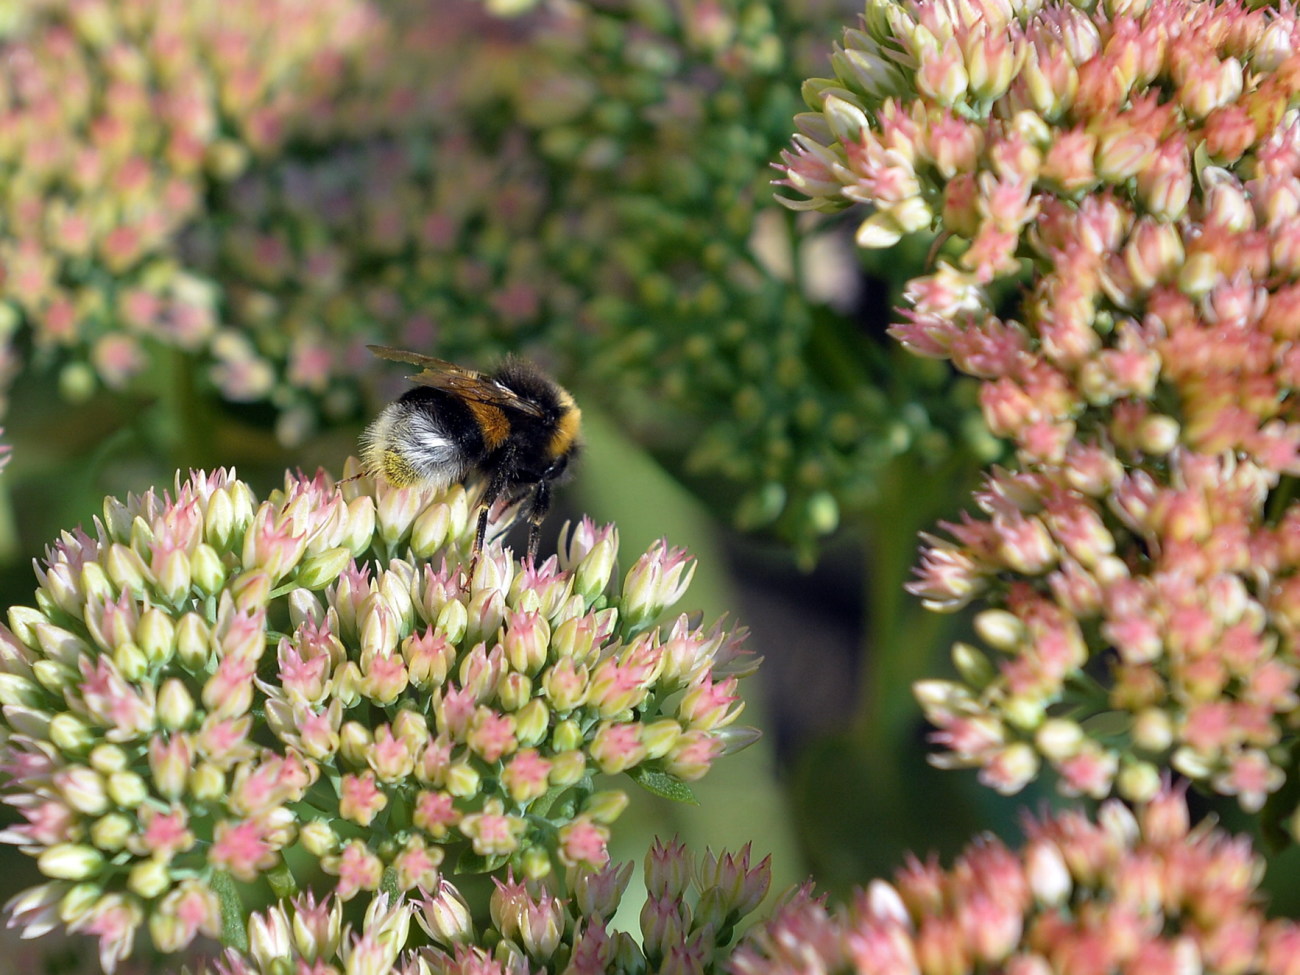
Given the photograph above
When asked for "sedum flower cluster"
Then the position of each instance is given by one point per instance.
(1135, 168)
(1129, 892)
(216, 698)
(688, 920)
(118, 116)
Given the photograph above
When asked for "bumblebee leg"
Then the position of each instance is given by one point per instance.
(494, 489)
(537, 512)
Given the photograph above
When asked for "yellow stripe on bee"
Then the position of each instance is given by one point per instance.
(566, 428)
(492, 423)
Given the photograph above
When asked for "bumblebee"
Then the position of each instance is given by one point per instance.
(516, 428)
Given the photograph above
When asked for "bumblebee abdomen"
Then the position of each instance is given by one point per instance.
(426, 436)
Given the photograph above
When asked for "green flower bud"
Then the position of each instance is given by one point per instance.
(83, 789)
(77, 902)
(532, 722)
(318, 571)
(318, 839)
(175, 704)
(567, 736)
(149, 878)
(111, 832)
(536, 863)
(193, 642)
(355, 742)
(219, 521)
(61, 645)
(453, 621)
(973, 666)
(207, 570)
(127, 789)
(658, 737)
(94, 583)
(567, 768)
(155, 635)
(207, 783)
(70, 734)
(19, 690)
(127, 569)
(607, 806)
(53, 676)
(462, 780)
(107, 759)
(70, 861)
(23, 621)
(430, 530)
(131, 662)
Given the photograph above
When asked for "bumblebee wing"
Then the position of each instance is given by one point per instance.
(465, 383)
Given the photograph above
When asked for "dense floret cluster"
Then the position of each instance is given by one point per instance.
(1124, 893)
(1136, 167)
(212, 689)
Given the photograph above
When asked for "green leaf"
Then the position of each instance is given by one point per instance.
(388, 885)
(471, 862)
(283, 883)
(233, 933)
(663, 784)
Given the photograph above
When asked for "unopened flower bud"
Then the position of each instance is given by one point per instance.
(107, 759)
(70, 861)
(606, 806)
(318, 839)
(462, 779)
(70, 734)
(131, 662)
(445, 916)
(567, 768)
(83, 789)
(536, 861)
(355, 742)
(430, 530)
(148, 879)
(192, 646)
(127, 789)
(175, 705)
(318, 571)
(1138, 781)
(1059, 738)
(156, 635)
(453, 622)
(659, 737)
(1049, 877)
(1153, 730)
(207, 783)
(514, 690)
(532, 721)
(567, 736)
(110, 832)
(78, 902)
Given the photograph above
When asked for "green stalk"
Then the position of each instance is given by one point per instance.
(903, 641)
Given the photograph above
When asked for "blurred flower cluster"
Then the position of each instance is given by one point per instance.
(268, 187)
(214, 691)
(117, 118)
(615, 222)
(1135, 168)
(688, 920)
(1126, 893)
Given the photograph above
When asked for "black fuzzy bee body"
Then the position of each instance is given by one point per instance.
(516, 427)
